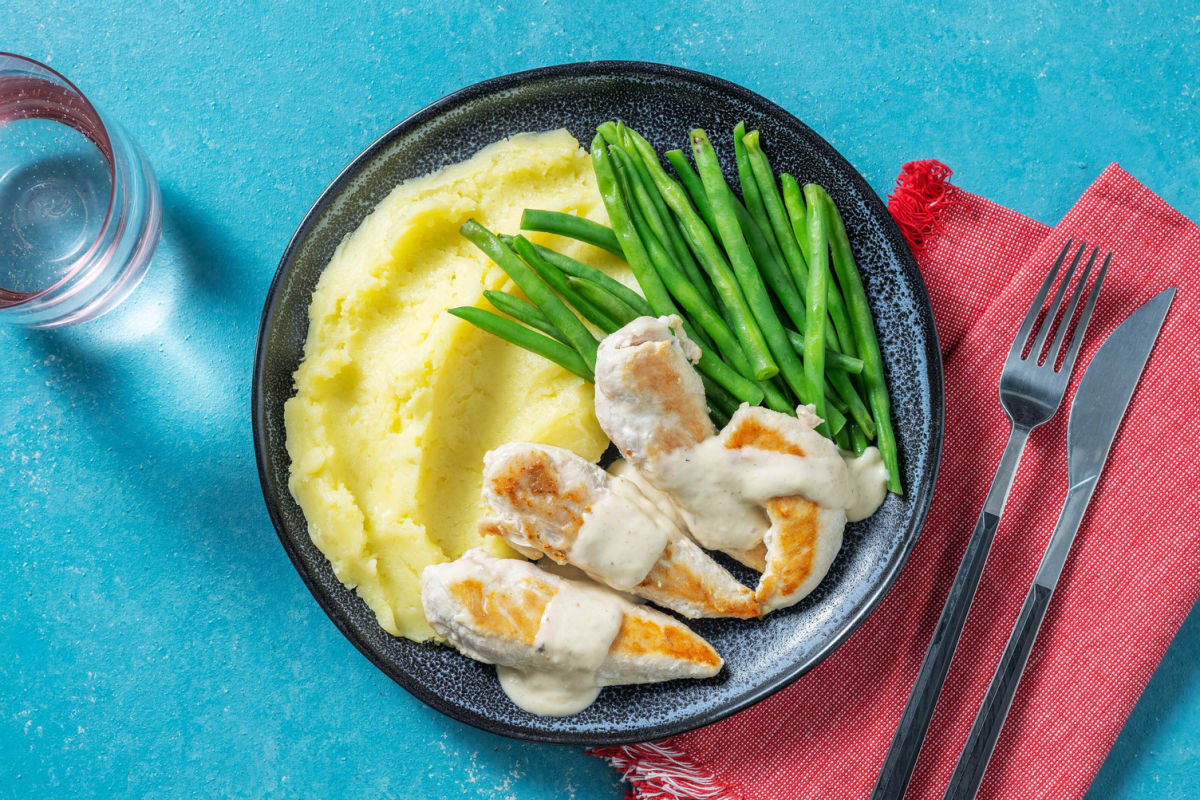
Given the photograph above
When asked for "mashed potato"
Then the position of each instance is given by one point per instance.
(396, 401)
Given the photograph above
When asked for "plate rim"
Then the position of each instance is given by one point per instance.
(617, 68)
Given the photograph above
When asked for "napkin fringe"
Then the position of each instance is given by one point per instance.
(659, 772)
(923, 193)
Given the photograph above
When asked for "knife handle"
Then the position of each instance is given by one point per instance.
(973, 762)
(914, 722)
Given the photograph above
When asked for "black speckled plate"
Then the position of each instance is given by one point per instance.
(663, 103)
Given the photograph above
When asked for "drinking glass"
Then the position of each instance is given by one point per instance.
(80, 211)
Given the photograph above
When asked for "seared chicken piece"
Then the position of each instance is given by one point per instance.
(493, 610)
(650, 402)
(550, 501)
(804, 537)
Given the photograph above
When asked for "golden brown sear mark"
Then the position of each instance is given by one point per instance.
(510, 617)
(684, 416)
(798, 526)
(532, 473)
(531, 486)
(682, 583)
(795, 517)
(752, 433)
(641, 636)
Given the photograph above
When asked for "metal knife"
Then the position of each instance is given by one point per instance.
(1096, 413)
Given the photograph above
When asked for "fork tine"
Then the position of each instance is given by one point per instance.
(1035, 352)
(1077, 338)
(1018, 345)
(1076, 293)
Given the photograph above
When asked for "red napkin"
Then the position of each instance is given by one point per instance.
(1132, 577)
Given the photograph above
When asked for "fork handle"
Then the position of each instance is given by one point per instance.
(914, 722)
(985, 731)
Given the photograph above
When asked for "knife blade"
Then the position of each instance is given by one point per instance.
(1107, 386)
(1096, 413)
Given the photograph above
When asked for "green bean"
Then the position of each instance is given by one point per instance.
(640, 194)
(682, 290)
(653, 246)
(833, 400)
(700, 237)
(838, 390)
(794, 202)
(787, 239)
(842, 363)
(573, 227)
(818, 275)
(743, 264)
(738, 385)
(609, 303)
(848, 394)
(647, 277)
(842, 438)
(578, 269)
(635, 252)
(858, 440)
(521, 336)
(525, 312)
(608, 131)
(751, 196)
(834, 361)
(776, 398)
(558, 282)
(655, 210)
(777, 393)
(719, 399)
(654, 231)
(867, 342)
(535, 289)
(711, 327)
(699, 311)
(772, 269)
(695, 187)
(837, 420)
(662, 226)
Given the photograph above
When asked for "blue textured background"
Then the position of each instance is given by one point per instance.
(154, 639)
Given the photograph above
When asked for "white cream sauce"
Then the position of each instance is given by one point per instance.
(658, 497)
(548, 694)
(576, 631)
(622, 537)
(870, 476)
(721, 493)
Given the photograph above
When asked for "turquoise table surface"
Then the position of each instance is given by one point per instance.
(154, 639)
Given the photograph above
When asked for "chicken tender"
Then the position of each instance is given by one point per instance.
(649, 400)
(549, 501)
(768, 489)
(497, 610)
(804, 538)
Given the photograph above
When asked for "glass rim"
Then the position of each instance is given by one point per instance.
(97, 132)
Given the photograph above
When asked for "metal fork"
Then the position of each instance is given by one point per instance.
(1031, 390)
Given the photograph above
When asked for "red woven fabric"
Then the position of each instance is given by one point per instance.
(1132, 577)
